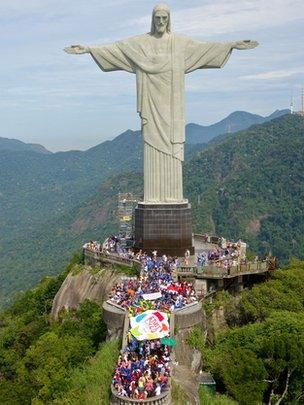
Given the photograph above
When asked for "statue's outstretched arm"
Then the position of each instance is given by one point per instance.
(245, 44)
(108, 57)
(77, 49)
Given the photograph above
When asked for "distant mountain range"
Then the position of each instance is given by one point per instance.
(51, 203)
(195, 133)
(16, 145)
(35, 185)
(236, 121)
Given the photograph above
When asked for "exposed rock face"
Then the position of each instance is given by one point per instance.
(81, 284)
(186, 355)
(218, 321)
(188, 360)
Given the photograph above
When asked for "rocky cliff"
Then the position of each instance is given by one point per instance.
(82, 283)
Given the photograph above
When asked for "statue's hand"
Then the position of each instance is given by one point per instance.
(77, 49)
(245, 44)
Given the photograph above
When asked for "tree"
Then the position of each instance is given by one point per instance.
(242, 373)
(277, 344)
(46, 365)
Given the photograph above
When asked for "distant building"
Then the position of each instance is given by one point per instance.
(301, 112)
(291, 107)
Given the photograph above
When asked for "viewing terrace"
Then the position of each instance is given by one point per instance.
(167, 293)
(217, 264)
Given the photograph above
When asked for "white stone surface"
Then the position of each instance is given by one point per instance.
(160, 61)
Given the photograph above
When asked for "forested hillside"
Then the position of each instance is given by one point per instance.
(47, 248)
(247, 185)
(257, 355)
(250, 186)
(35, 187)
(42, 361)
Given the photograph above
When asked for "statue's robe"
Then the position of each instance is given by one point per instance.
(160, 77)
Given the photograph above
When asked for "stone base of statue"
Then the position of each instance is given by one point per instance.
(166, 228)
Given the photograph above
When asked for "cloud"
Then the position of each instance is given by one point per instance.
(222, 17)
(275, 74)
(53, 92)
(23, 8)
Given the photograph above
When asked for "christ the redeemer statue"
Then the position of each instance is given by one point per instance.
(160, 61)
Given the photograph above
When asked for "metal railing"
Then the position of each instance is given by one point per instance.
(110, 258)
(163, 399)
(211, 239)
(219, 272)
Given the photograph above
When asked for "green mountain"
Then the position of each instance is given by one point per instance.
(248, 185)
(34, 186)
(47, 248)
(236, 121)
(16, 145)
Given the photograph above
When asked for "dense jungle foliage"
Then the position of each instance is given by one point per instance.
(64, 362)
(250, 185)
(258, 357)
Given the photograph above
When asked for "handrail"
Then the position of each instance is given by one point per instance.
(214, 240)
(186, 307)
(212, 270)
(125, 331)
(172, 323)
(116, 305)
(158, 400)
(112, 257)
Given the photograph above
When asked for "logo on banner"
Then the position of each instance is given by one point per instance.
(153, 324)
(150, 325)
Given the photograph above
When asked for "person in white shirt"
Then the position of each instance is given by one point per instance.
(157, 390)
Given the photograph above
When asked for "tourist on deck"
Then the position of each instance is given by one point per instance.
(187, 257)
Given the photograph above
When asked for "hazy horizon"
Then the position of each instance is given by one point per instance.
(66, 102)
(127, 129)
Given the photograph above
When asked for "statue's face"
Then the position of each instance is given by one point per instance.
(160, 21)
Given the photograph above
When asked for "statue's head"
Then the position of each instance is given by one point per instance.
(160, 19)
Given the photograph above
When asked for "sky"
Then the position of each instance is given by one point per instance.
(66, 102)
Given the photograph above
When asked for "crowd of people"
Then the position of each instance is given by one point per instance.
(156, 277)
(143, 370)
(111, 245)
(93, 246)
(226, 255)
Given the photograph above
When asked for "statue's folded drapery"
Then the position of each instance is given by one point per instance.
(160, 77)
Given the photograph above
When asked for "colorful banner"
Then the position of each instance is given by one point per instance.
(150, 325)
(152, 296)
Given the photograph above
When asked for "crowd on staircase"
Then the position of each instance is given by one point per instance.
(143, 368)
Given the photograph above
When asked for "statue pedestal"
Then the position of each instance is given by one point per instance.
(166, 228)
